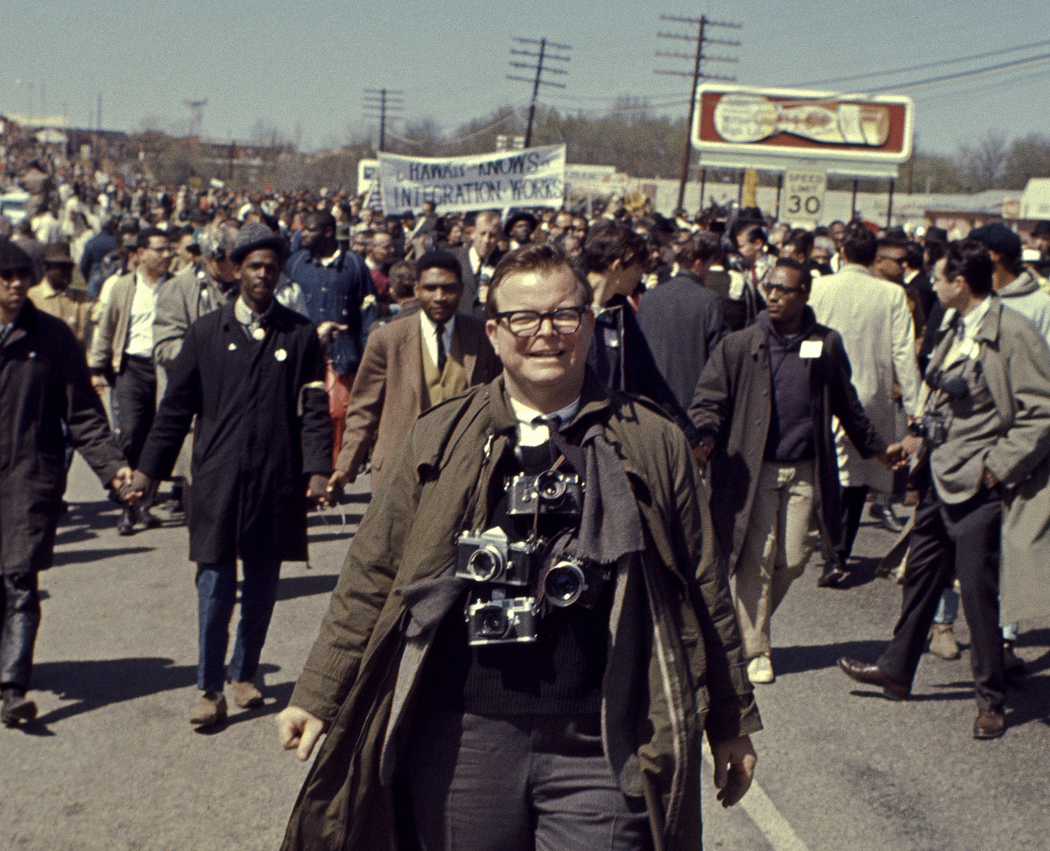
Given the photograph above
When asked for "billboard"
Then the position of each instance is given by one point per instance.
(848, 134)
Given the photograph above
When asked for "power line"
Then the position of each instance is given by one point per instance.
(382, 101)
(702, 38)
(626, 110)
(539, 68)
(923, 66)
(963, 75)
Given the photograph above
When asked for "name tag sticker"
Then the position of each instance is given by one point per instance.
(811, 348)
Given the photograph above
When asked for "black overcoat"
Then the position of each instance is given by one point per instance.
(44, 381)
(262, 427)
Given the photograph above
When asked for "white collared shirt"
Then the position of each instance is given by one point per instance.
(477, 263)
(963, 346)
(326, 262)
(140, 324)
(429, 330)
(531, 433)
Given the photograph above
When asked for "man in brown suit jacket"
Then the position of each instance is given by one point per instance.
(411, 364)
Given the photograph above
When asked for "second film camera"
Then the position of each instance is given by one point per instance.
(488, 557)
(551, 492)
(500, 620)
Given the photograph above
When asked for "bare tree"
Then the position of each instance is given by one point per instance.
(984, 164)
(1029, 157)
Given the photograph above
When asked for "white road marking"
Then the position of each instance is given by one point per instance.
(763, 812)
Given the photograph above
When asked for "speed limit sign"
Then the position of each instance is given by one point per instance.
(804, 195)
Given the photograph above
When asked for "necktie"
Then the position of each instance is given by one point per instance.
(573, 454)
(442, 354)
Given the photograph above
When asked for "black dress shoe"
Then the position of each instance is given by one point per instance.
(887, 519)
(147, 518)
(873, 675)
(834, 572)
(126, 525)
(990, 724)
(16, 709)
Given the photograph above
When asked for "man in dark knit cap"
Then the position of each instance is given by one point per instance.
(44, 382)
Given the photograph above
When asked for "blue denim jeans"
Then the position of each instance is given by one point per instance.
(216, 594)
(948, 611)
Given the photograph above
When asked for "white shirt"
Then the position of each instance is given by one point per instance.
(143, 312)
(330, 260)
(963, 346)
(531, 433)
(429, 329)
(477, 264)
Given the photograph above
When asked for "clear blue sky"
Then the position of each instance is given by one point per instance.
(303, 66)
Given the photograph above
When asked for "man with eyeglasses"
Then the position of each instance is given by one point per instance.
(982, 475)
(512, 656)
(122, 355)
(875, 323)
(763, 407)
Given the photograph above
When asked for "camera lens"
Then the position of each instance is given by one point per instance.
(485, 563)
(550, 486)
(564, 583)
(492, 622)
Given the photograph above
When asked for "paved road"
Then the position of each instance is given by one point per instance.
(113, 764)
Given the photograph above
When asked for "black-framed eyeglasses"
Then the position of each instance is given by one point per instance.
(527, 323)
(779, 289)
(899, 260)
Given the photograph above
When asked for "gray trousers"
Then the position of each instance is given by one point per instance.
(518, 783)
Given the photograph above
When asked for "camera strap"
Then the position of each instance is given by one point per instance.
(468, 515)
(536, 508)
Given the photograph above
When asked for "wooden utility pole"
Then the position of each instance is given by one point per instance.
(540, 57)
(701, 23)
(380, 102)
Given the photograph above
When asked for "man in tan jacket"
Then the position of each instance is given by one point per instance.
(411, 364)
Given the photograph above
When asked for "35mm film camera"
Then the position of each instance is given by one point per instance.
(512, 581)
(551, 492)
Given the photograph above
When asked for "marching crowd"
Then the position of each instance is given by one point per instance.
(602, 447)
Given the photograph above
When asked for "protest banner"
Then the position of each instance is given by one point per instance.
(534, 177)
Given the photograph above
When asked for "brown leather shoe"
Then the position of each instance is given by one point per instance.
(210, 710)
(990, 724)
(942, 641)
(246, 694)
(873, 675)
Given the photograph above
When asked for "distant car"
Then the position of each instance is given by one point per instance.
(14, 205)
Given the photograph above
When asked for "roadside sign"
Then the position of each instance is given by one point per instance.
(803, 196)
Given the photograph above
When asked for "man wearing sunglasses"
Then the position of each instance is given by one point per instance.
(763, 408)
(553, 721)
